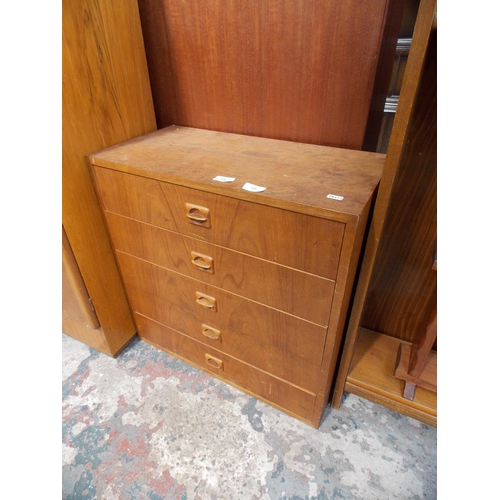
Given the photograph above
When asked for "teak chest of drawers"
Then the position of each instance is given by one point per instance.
(250, 286)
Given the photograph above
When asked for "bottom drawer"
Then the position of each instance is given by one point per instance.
(258, 383)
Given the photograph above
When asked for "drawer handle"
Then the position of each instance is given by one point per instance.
(214, 362)
(198, 215)
(202, 262)
(211, 333)
(206, 301)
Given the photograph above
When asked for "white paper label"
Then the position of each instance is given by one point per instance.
(253, 188)
(335, 197)
(222, 178)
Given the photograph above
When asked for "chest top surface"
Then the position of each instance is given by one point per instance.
(296, 176)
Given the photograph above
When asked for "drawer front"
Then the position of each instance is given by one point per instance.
(295, 292)
(244, 376)
(295, 240)
(278, 343)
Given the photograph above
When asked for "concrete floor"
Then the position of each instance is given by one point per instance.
(148, 426)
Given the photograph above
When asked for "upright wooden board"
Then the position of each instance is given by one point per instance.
(106, 99)
(298, 70)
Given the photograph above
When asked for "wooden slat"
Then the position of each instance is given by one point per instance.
(427, 377)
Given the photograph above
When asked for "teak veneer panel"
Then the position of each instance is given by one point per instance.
(106, 99)
(78, 318)
(297, 70)
(271, 340)
(403, 282)
(317, 241)
(301, 294)
(297, 177)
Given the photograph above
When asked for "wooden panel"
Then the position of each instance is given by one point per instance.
(106, 99)
(348, 268)
(301, 70)
(78, 318)
(317, 241)
(297, 177)
(278, 343)
(301, 294)
(76, 300)
(403, 281)
(256, 382)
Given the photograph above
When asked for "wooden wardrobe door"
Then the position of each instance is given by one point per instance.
(106, 99)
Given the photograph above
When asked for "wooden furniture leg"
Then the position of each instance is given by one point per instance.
(416, 363)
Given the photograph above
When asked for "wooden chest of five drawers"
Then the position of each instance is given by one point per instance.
(249, 284)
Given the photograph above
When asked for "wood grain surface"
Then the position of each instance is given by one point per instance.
(276, 361)
(76, 303)
(298, 293)
(382, 85)
(271, 340)
(403, 282)
(299, 70)
(106, 99)
(297, 177)
(317, 241)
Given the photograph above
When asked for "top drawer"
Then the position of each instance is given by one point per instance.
(304, 242)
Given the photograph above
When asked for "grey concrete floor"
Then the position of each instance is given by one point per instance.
(148, 426)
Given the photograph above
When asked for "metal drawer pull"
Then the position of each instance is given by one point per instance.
(214, 362)
(198, 215)
(202, 262)
(211, 333)
(206, 301)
